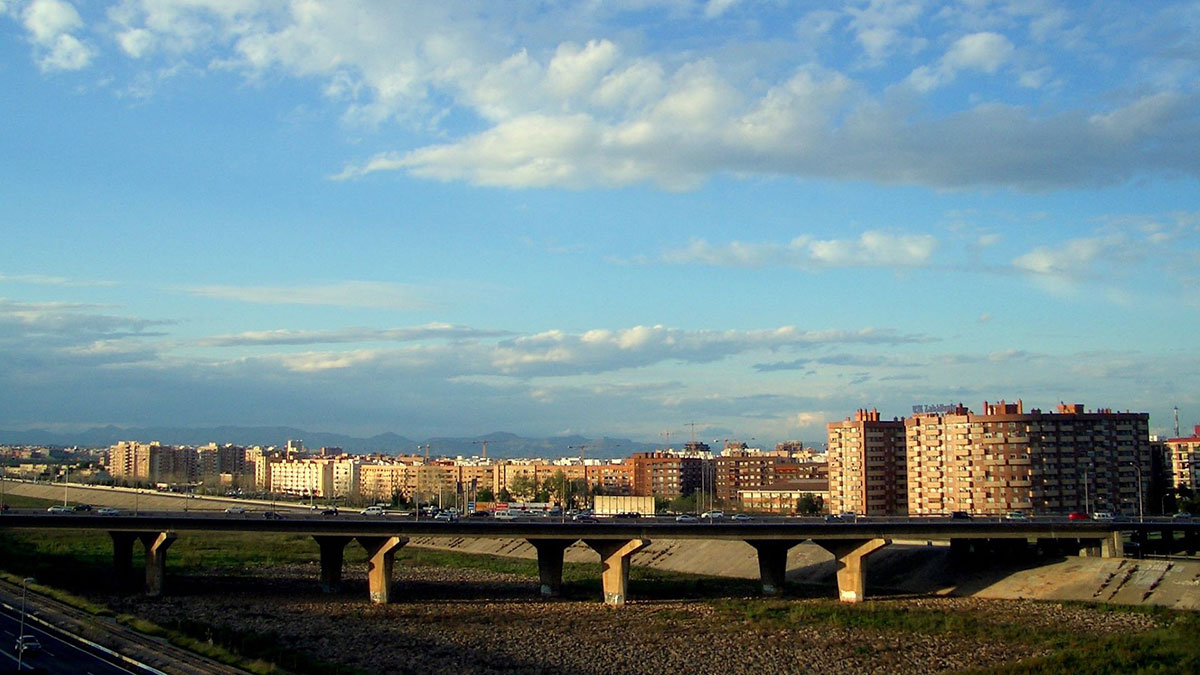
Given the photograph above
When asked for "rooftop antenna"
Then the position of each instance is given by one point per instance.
(1176, 421)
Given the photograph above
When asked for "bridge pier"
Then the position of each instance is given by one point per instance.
(1191, 541)
(550, 563)
(156, 559)
(123, 558)
(614, 556)
(333, 550)
(772, 562)
(851, 557)
(381, 557)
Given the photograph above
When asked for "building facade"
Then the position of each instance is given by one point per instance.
(1007, 460)
(866, 464)
(1184, 453)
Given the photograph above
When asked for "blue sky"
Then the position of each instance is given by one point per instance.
(619, 217)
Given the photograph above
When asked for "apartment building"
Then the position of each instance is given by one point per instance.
(866, 460)
(1184, 453)
(152, 461)
(321, 478)
(668, 475)
(1006, 460)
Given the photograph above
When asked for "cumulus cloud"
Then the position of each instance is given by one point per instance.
(374, 294)
(871, 249)
(51, 24)
(557, 97)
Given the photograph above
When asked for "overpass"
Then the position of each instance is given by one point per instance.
(851, 543)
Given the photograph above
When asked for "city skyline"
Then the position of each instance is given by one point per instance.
(581, 218)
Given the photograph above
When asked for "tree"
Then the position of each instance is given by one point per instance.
(523, 487)
(810, 505)
(504, 496)
(485, 495)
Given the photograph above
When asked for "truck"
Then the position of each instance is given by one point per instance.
(612, 505)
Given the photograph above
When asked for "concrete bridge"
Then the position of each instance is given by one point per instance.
(851, 543)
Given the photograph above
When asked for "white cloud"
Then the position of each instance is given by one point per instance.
(983, 52)
(50, 24)
(438, 331)
(342, 294)
(871, 249)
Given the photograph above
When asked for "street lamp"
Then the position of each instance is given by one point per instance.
(1141, 509)
(21, 636)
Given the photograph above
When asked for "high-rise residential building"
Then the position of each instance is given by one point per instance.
(153, 461)
(866, 458)
(1006, 460)
(1185, 460)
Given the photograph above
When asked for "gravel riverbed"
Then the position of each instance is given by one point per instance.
(470, 621)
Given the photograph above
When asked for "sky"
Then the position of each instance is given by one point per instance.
(641, 218)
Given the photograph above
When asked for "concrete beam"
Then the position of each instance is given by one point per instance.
(156, 559)
(614, 556)
(851, 555)
(333, 553)
(772, 562)
(381, 557)
(550, 563)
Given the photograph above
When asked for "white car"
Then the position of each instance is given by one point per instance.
(107, 511)
(1102, 515)
(373, 511)
(713, 515)
(686, 518)
(505, 515)
(58, 508)
(742, 517)
(236, 509)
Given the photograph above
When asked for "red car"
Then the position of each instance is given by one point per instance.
(1078, 515)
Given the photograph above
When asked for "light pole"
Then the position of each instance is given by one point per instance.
(1141, 509)
(66, 479)
(21, 636)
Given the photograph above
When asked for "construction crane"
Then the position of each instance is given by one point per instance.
(484, 444)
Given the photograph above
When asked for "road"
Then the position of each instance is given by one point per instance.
(58, 654)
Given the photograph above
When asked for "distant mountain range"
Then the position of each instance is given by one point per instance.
(499, 444)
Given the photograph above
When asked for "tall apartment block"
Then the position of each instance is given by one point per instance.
(867, 465)
(1185, 460)
(1006, 460)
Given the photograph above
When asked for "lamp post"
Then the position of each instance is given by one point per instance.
(21, 636)
(1141, 509)
(66, 479)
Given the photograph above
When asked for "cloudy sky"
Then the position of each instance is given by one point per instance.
(594, 217)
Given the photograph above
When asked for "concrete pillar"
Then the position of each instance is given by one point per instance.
(333, 549)
(772, 563)
(1191, 540)
(123, 558)
(614, 556)
(156, 559)
(1112, 545)
(851, 557)
(550, 563)
(381, 556)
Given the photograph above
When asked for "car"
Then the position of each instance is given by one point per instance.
(713, 515)
(480, 514)
(58, 508)
(686, 518)
(446, 517)
(742, 517)
(1102, 515)
(373, 511)
(1182, 515)
(505, 514)
(331, 511)
(1016, 515)
(960, 515)
(80, 508)
(235, 510)
(628, 515)
(108, 511)
(272, 515)
(27, 644)
(583, 518)
(1077, 515)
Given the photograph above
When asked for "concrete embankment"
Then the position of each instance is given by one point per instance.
(900, 568)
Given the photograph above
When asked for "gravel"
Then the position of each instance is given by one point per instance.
(471, 621)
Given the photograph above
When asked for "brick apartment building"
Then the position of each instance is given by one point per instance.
(866, 458)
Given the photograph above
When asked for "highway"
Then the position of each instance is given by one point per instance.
(59, 653)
